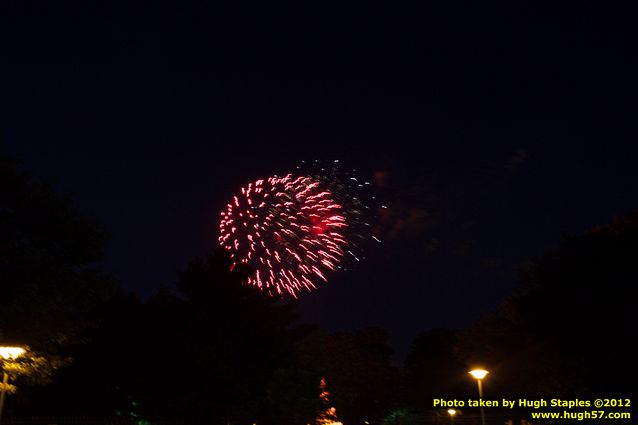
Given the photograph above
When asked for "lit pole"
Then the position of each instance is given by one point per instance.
(7, 353)
(479, 374)
(451, 412)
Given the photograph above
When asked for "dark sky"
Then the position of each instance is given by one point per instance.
(498, 128)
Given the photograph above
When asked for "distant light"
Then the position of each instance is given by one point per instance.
(478, 373)
(452, 412)
(11, 352)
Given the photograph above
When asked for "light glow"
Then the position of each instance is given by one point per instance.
(478, 373)
(11, 352)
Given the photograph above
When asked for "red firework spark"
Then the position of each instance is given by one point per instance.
(288, 229)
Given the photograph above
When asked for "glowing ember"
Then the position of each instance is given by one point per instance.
(328, 416)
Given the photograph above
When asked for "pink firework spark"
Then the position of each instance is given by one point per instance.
(288, 230)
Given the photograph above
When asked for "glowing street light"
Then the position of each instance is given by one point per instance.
(479, 375)
(9, 353)
(452, 412)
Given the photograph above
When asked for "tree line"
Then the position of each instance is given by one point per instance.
(212, 350)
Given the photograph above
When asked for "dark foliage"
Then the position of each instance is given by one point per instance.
(568, 330)
(206, 352)
(433, 371)
(364, 383)
(49, 263)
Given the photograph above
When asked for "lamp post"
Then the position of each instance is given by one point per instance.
(7, 353)
(479, 374)
(452, 412)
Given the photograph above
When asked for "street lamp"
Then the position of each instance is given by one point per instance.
(479, 374)
(7, 353)
(452, 412)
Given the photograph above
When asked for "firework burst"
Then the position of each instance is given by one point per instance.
(289, 230)
(359, 204)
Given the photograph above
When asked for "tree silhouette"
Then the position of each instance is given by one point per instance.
(50, 273)
(364, 384)
(293, 390)
(49, 258)
(206, 351)
(432, 370)
(567, 330)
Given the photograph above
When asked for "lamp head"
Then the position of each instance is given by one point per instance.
(478, 373)
(11, 352)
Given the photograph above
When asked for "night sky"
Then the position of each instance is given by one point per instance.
(493, 130)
